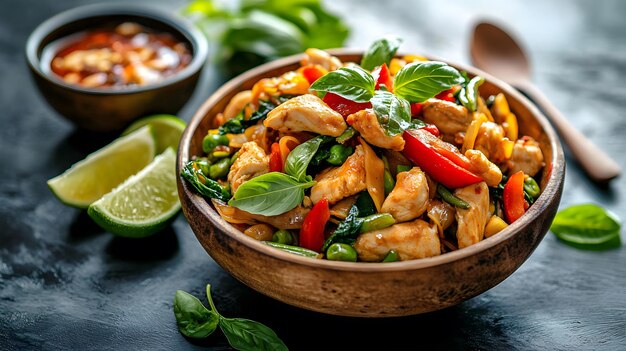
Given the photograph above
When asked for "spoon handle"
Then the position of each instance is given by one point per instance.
(598, 165)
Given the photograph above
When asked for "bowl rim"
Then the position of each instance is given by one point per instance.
(555, 180)
(184, 27)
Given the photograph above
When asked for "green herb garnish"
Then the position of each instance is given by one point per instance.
(587, 226)
(381, 51)
(352, 83)
(419, 81)
(194, 320)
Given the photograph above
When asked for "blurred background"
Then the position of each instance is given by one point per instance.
(65, 284)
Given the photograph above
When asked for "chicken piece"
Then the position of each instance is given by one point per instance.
(237, 104)
(488, 141)
(341, 182)
(366, 123)
(441, 214)
(320, 57)
(527, 157)
(409, 197)
(490, 173)
(471, 222)
(306, 113)
(449, 117)
(411, 240)
(251, 162)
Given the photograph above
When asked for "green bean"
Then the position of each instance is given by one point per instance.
(376, 221)
(346, 135)
(220, 169)
(296, 250)
(531, 187)
(403, 168)
(212, 140)
(447, 196)
(235, 155)
(339, 154)
(341, 252)
(389, 182)
(392, 256)
(283, 237)
(469, 94)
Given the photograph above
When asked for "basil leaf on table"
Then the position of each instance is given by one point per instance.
(209, 188)
(299, 158)
(238, 124)
(270, 194)
(394, 113)
(245, 334)
(352, 83)
(586, 224)
(419, 81)
(381, 51)
(193, 319)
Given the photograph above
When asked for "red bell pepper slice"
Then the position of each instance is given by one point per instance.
(312, 73)
(513, 197)
(276, 159)
(312, 232)
(419, 149)
(416, 108)
(382, 76)
(446, 95)
(344, 106)
(432, 129)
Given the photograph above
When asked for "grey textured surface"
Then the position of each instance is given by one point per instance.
(65, 284)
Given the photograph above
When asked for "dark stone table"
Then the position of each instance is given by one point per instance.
(65, 284)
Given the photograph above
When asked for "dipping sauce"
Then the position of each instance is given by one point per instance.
(123, 56)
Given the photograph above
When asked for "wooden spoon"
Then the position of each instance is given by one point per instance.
(496, 52)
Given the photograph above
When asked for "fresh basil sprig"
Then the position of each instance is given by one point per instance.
(270, 194)
(352, 83)
(299, 158)
(381, 51)
(587, 226)
(394, 113)
(419, 81)
(194, 320)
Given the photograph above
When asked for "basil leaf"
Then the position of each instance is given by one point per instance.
(238, 124)
(348, 229)
(245, 334)
(381, 51)
(352, 83)
(270, 194)
(299, 158)
(394, 113)
(419, 81)
(586, 224)
(209, 188)
(193, 319)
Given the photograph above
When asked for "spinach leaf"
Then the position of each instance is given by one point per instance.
(381, 51)
(270, 194)
(206, 187)
(586, 224)
(352, 83)
(245, 334)
(238, 124)
(299, 158)
(419, 81)
(348, 229)
(193, 319)
(394, 113)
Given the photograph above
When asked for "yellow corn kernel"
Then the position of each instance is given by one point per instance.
(494, 226)
(510, 126)
(472, 131)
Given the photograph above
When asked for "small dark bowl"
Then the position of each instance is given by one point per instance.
(113, 109)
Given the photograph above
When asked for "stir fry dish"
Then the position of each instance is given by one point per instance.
(391, 159)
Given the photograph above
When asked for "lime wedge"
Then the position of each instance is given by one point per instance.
(167, 130)
(144, 203)
(103, 170)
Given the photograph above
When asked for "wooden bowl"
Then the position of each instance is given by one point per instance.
(372, 289)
